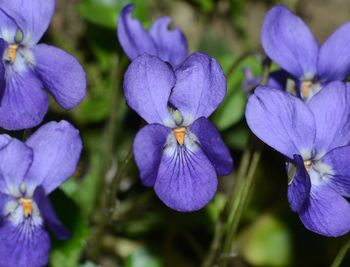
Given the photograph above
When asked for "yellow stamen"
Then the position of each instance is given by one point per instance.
(180, 135)
(27, 205)
(306, 87)
(307, 164)
(12, 52)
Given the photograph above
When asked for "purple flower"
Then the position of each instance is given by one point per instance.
(28, 173)
(30, 67)
(169, 45)
(315, 137)
(180, 152)
(277, 79)
(290, 43)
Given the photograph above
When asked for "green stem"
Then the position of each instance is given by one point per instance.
(341, 254)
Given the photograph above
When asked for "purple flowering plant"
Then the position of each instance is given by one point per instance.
(288, 41)
(29, 172)
(180, 152)
(169, 45)
(317, 154)
(31, 68)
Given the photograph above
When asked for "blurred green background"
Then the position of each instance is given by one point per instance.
(135, 229)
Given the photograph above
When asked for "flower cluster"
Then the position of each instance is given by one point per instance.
(31, 170)
(180, 152)
(311, 129)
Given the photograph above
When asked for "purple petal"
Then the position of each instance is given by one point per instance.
(327, 213)
(33, 17)
(23, 245)
(24, 103)
(8, 28)
(288, 41)
(338, 160)
(281, 120)
(331, 109)
(213, 146)
(278, 80)
(172, 44)
(186, 179)
(15, 159)
(200, 87)
(147, 86)
(299, 188)
(148, 149)
(133, 38)
(334, 57)
(61, 74)
(4, 200)
(57, 147)
(49, 215)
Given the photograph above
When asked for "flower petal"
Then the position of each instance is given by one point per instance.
(327, 213)
(23, 245)
(213, 146)
(300, 186)
(33, 17)
(49, 215)
(57, 147)
(15, 159)
(338, 161)
(331, 109)
(8, 28)
(186, 179)
(61, 74)
(200, 87)
(24, 102)
(281, 120)
(148, 149)
(288, 41)
(172, 44)
(334, 58)
(133, 38)
(147, 86)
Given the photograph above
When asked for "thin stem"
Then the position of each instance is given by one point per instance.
(341, 254)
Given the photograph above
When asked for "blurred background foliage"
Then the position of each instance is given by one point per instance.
(134, 228)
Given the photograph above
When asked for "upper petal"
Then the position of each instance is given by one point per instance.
(24, 102)
(331, 109)
(288, 41)
(300, 186)
(148, 149)
(200, 87)
(57, 147)
(334, 57)
(23, 245)
(213, 146)
(61, 74)
(15, 160)
(133, 38)
(327, 212)
(186, 178)
(282, 121)
(147, 86)
(33, 17)
(171, 44)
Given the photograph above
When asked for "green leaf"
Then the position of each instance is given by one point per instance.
(143, 258)
(268, 242)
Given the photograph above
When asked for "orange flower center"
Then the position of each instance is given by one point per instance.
(27, 205)
(180, 135)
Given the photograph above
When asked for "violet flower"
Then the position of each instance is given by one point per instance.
(315, 137)
(30, 67)
(28, 173)
(169, 45)
(180, 152)
(289, 42)
(277, 79)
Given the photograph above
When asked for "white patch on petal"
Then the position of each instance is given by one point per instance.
(190, 143)
(15, 213)
(320, 173)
